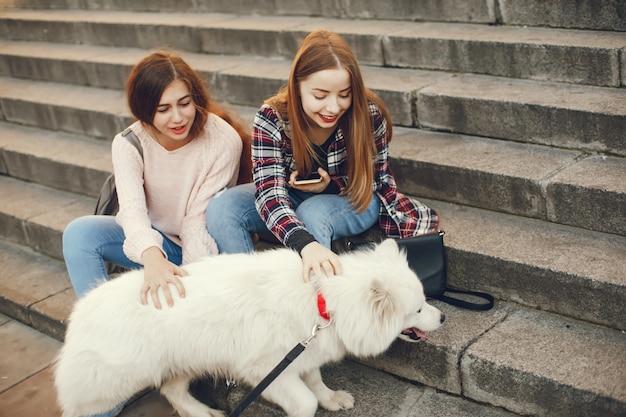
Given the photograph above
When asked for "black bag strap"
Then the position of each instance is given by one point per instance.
(133, 139)
(468, 304)
(107, 203)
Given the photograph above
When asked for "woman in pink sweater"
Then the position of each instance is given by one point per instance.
(191, 150)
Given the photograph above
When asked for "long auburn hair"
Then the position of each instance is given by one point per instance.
(322, 50)
(151, 76)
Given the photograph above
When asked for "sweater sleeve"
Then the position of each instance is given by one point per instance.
(223, 154)
(133, 213)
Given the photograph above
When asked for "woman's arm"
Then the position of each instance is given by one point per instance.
(271, 154)
(142, 243)
(271, 157)
(133, 214)
(221, 157)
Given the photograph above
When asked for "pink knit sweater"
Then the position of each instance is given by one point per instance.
(169, 190)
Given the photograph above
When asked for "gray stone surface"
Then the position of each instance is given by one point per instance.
(35, 216)
(474, 171)
(378, 394)
(29, 279)
(584, 57)
(590, 194)
(584, 376)
(579, 57)
(523, 179)
(73, 109)
(554, 268)
(53, 159)
(584, 14)
(544, 113)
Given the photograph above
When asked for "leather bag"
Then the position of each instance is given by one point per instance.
(427, 258)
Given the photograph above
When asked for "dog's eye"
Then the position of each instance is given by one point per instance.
(419, 311)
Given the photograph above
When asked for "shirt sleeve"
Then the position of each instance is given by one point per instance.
(399, 215)
(133, 212)
(271, 155)
(384, 182)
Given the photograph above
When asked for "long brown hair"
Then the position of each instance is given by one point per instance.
(151, 76)
(322, 50)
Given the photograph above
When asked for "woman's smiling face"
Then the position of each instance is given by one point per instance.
(326, 95)
(174, 116)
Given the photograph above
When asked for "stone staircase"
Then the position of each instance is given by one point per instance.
(510, 120)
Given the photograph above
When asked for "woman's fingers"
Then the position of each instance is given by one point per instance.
(152, 289)
(320, 261)
(179, 286)
(154, 294)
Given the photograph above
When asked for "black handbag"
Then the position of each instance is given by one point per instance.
(427, 258)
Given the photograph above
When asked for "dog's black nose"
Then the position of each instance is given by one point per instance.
(443, 318)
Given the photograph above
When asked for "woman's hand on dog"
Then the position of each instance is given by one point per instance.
(160, 273)
(320, 260)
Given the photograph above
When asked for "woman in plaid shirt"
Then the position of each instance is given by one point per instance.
(324, 122)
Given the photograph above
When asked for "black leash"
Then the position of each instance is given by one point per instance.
(290, 357)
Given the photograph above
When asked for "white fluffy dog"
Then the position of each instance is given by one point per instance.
(241, 316)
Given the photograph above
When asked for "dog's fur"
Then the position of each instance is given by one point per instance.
(241, 315)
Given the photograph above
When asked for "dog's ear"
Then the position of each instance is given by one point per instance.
(388, 247)
(381, 300)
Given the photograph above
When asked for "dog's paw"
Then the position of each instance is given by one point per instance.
(340, 400)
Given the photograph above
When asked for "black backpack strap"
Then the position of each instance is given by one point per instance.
(133, 139)
(468, 304)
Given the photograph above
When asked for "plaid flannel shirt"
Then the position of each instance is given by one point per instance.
(273, 162)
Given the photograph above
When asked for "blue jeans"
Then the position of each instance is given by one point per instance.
(232, 216)
(89, 241)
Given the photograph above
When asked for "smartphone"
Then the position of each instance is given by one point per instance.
(314, 178)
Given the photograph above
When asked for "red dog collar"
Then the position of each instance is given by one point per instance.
(321, 306)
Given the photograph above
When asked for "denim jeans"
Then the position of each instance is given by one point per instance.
(89, 241)
(232, 216)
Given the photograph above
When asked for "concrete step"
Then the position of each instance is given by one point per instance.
(97, 113)
(582, 14)
(561, 55)
(555, 114)
(544, 364)
(59, 160)
(524, 179)
(35, 216)
(27, 389)
(35, 289)
(380, 394)
(243, 81)
(527, 180)
(541, 265)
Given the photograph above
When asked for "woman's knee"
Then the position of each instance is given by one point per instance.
(227, 206)
(331, 216)
(77, 233)
(88, 234)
